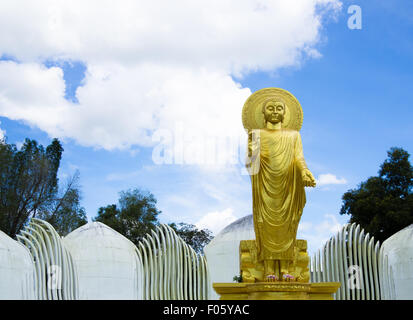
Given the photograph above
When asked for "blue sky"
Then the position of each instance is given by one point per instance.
(89, 80)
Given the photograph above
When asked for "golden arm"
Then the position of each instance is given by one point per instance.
(308, 178)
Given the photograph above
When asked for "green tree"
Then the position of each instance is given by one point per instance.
(134, 216)
(383, 205)
(65, 213)
(28, 182)
(196, 238)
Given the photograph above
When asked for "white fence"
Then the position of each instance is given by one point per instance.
(55, 274)
(171, 268)
(352, 258)
(167, 268)
(43, 266)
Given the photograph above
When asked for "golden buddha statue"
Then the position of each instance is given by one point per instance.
(275, 266)
(273, 118)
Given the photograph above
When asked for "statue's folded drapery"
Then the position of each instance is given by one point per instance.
(278, 192)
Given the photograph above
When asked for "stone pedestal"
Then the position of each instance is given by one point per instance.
(254, 286)
(252, 270)
(276, 291)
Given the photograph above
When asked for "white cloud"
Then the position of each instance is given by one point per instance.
(150, 64)
(123, 106)
(231, 35)
(2, 134)
(216, 221)
(317, 234)
(198, 192)
(328, 178)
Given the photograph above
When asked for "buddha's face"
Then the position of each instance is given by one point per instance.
(274, 112)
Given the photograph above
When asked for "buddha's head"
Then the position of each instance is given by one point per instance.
(274, 111)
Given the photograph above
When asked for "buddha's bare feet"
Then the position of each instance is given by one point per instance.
(288, 277)
(271, 278)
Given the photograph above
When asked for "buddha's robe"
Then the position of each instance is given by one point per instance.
(278, 192)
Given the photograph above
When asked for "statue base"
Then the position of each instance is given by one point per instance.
(252, 270)
(254, 286)
(276, 291)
